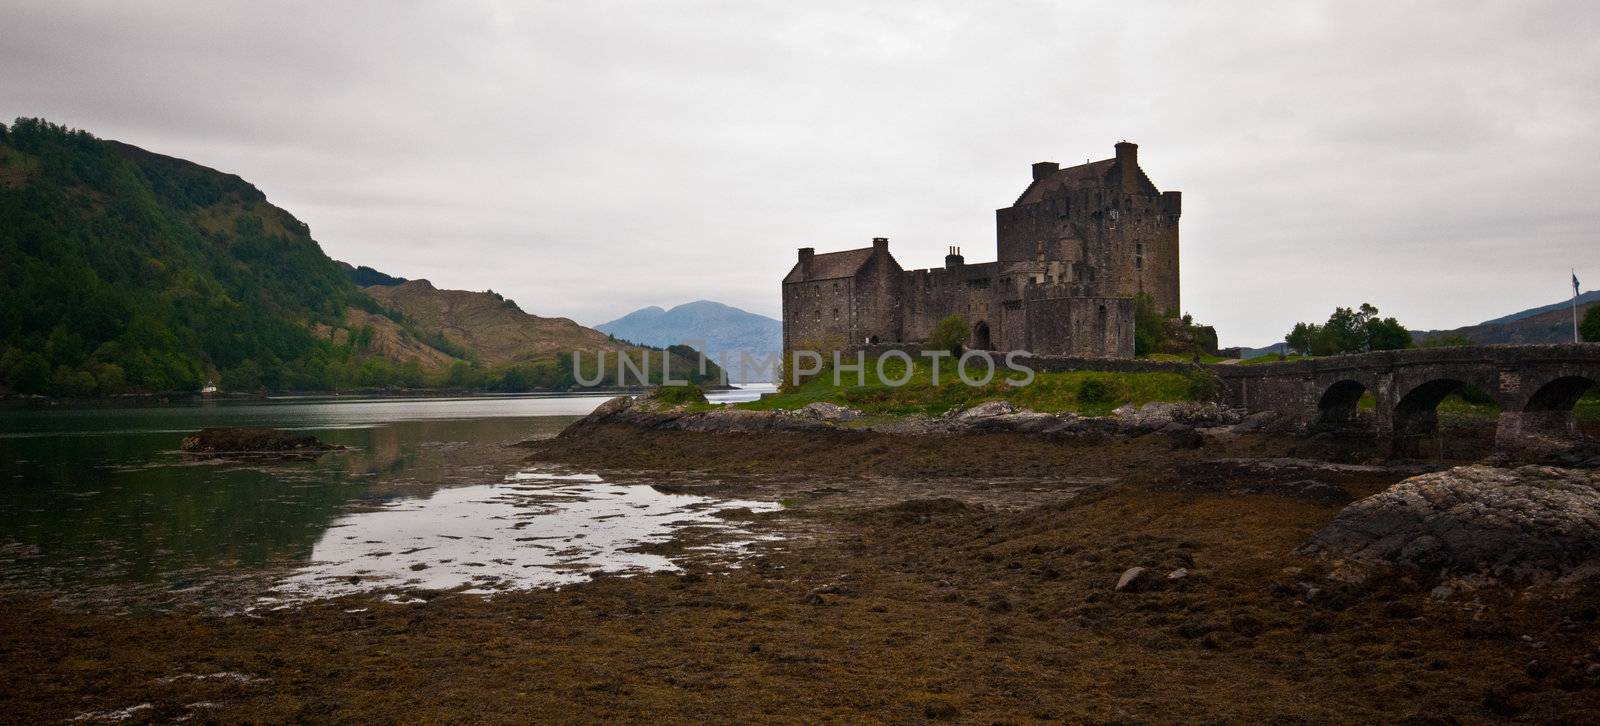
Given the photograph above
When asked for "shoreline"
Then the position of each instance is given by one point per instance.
(970, 577)
(17, 401)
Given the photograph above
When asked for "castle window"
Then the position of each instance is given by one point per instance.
(1138, 256)
(836, 313)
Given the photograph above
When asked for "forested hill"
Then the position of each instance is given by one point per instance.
(122, 271)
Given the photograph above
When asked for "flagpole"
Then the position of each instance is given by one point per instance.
(1574, 305)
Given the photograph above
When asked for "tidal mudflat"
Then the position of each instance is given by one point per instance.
(904, 578)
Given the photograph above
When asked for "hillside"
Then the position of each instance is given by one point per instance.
(125, 271)
(1592, 296)
(1545, 324)
(493, 333)
(723, 331)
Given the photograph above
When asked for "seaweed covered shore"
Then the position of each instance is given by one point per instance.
(995, 577)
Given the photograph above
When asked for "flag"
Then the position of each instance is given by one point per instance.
(1574, 284)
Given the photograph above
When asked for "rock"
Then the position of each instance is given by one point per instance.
(1529, 523)
(1159, 415)
(1178, 574)
(1255, 422)
(825, 411)
(253, 440)
(736, 420)
(986, 409)
(1135, 579)
(1320, 491)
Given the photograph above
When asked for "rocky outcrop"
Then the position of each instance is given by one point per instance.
(1172, 417)
(1532, 523)
(1175, 419)
(252, 440)
(645, 412)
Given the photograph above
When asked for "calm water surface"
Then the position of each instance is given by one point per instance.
(100, 509)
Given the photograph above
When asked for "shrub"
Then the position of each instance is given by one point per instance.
(679, 394)
(1094, 390)
(1204, 386)
(950, 334)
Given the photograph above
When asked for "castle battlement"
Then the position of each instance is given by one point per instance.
(1071, 253)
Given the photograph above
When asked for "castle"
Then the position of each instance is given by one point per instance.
(1072, 252)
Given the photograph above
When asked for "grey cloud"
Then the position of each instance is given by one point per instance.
(589, 159)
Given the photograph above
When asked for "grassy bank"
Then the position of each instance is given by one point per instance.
(1085, 392)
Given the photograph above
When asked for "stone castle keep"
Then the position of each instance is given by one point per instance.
(1072, 252)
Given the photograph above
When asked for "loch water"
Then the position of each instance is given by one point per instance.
(100, 510)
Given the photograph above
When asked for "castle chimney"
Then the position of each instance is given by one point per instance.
(953, 258)
(1128, 164)
(1044, 169)
(1127, 152)
(806, 253)
(880, 244)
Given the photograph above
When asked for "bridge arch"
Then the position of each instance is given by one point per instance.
(1339, 401)
(1546, 417)
(1417, 409)
(1561, 393)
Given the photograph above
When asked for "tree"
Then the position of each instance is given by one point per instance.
(1149, 325)
(1349, 331)
(1303, 338)
(1590, 328)
(1157, 331)
(31, 374)
(1387, 334)
(950, 334)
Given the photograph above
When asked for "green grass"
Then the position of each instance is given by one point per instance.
(1175, 358)
(1588, 408)
(1049, 392)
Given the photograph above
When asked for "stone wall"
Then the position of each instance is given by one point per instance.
(818, 311)
(1082, 327)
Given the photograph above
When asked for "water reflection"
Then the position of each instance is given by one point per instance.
(98, 505)
(535, 530)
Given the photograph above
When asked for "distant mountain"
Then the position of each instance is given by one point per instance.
(1544, 324)
(1591, 296)
(1274, 349)
(123, 270)
(723, 331)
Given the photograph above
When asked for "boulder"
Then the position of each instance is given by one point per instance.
(1157, 416)
(825, 411)
(1532, 523)
(1134, 579)
(986, 409)
(252, 440)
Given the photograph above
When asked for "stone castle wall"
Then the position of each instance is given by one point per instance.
(1072, 253)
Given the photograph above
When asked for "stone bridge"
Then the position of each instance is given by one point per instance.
(1536, 387)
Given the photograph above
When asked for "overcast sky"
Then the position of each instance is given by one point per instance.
(1440, 160)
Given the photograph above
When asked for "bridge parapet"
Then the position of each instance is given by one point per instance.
(1535, 386)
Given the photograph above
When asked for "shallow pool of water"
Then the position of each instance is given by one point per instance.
(536, 529)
